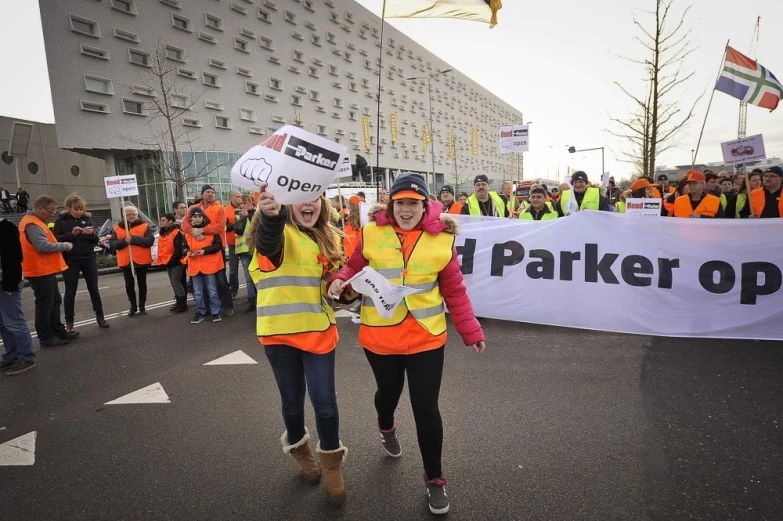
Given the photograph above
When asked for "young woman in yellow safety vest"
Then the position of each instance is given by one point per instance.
(297, 248)
(411, 243)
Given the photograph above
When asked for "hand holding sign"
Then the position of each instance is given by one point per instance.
(267, 203)
(294, 165)
(385, 295)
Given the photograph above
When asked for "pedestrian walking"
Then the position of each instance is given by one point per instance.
(170, 254)
(22, 200)
(205, 259)
(42, 260)
(75, 225)
(297, 328)
(137, 239)
(244, 246)
(412, 243)
(18, 353)
(5, 199)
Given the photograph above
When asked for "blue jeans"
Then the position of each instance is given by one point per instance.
(233, 270)
(296, 371)
(210, 281)
(245, 259)
(13, 328)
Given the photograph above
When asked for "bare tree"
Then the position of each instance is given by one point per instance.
(172, 141)
(658, 117)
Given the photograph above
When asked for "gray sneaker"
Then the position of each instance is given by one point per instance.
(436, 494)
(20, 367)
(390, 442)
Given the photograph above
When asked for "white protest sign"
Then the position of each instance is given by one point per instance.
(513, 139)
(120, 186)
(385, 295)
(364, 213)
(743, 150)
(641, 206)
(295, 165)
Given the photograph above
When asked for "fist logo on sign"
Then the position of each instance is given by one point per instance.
(256, 170)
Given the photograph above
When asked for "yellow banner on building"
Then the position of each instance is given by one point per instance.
(393, 123)
(366, 132)
(474, 142)
(427, 134)
(450, 138)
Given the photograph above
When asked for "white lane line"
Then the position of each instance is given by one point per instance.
(235, 358)
(86, 290)
(19, 451)
(151, 394)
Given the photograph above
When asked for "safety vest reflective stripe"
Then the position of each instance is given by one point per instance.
(421, 314)
(393, 273)
(303, 282)
(288, 309)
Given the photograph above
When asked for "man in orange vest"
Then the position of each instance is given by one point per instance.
(42, 261)
(767, 201)
(232, 210)
(447, 200)
(216, 215)
(697, 203)
(662, 189)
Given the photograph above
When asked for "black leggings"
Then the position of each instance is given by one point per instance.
(130, 290)
(425, 371)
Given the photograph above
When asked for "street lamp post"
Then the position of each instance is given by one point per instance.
(429, 96)
(573, 150)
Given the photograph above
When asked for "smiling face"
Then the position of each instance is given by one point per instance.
(537, 201)
(579, 186)
(408, 213)
(306, 214)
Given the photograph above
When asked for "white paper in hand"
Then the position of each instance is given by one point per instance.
(386, 296)
(295, 165)
(364, 213)
(571, 207)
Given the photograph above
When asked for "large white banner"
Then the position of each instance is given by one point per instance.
(610, 272)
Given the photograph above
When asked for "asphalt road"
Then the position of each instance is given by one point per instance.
(548, 424)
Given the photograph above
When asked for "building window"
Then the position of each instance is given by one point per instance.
(333, 70)
(126, 35)
(348, 57)
(139, 57)
(84, 26)
(247, 33)
(337, 85)
(334, 17)
(338, 103)
(312, 71)
(180, 101)
(175, 53)
(297, 35)
(191, 122)
(322, 130)
(213, 22)
(255, 129)
(352, 115)
(186, 73)
(130, 106)
(90, 106)
(206, 38)
(315, 95)
(124, 6)
(315, 39)
(242, 71)
(290, 17)
(213, 80)
(264, 16)
(213, 105)
(267, 43)
(143, 91)
(247, 115)
(218, 64)
(241, 45)
(32, 167)
(298, 56)
(238, 8)
(94, 52)
(223, 122)
(337, 115)
(308, 4)
(270, 98)
(276, 84)
(252, 88)
(75, 171)
(296, 100)
(331, 38)
(294, 69)
(180, 22)
(98, 85)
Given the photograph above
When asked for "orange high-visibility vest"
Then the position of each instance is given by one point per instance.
(204, 264)
(708, 206)
(141, 254)
(231, 218)
(35, 263)
(759, 198)
(455, 208)
(166, 247)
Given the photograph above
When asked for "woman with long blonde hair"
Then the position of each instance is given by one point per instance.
(75, 225)
(297, 248)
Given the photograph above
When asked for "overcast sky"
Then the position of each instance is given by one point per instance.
(555, 61)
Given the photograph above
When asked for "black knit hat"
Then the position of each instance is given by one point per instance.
(204, 188)
(409, 186)
(447, 188)
(579, 175)
(481, 178)
(196, 210)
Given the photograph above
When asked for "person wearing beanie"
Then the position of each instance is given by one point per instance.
(411, 242)
(205, 259)
(662, 188)
(586, 198)
(297, 248)
(483, 201)
(698, 203)
(216, 217)
(447, 200)
(767, 201)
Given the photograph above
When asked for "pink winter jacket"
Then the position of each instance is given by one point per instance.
(452, 286)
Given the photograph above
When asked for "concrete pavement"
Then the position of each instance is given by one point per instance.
(548, 424)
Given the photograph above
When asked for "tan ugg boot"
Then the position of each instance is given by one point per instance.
(303, 454)
(331, 461)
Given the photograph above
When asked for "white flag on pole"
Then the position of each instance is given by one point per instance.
(384, 294)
